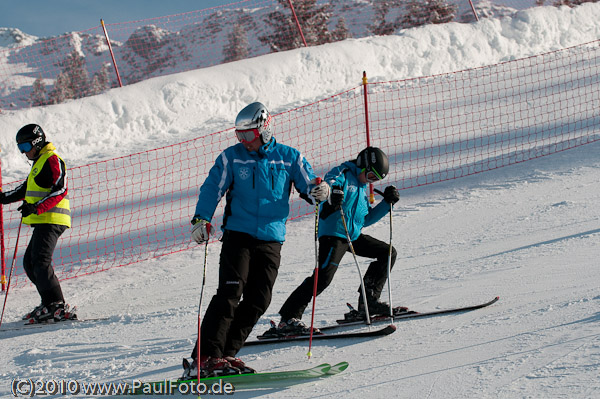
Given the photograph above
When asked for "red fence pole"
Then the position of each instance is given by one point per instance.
(364, 80)
(474, 12)
(3, 260)
(111, 53)
(297, 23)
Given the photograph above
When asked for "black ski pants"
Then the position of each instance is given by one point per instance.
(247, 272)
(331, 251)
(37, 261)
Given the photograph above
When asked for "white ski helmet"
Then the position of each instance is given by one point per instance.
(254, 121)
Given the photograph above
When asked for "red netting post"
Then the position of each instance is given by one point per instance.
(474, 12)
(111, 53)
(297, 23)
(364, 82)
(3, 260)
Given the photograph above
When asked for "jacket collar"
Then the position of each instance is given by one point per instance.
(266, 149)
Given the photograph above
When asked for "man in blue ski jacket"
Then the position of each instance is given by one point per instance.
(255, 176)
(349, 183)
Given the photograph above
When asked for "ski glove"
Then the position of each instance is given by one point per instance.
(336, 199)
(27, 209)
(320, 192)
(391, 195)
(201, 230)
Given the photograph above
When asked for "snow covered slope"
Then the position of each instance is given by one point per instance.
(528, 233)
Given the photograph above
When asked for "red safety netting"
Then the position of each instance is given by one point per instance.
(434, 128)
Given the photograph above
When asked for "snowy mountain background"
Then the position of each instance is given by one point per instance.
(174, 46)
(528, 233)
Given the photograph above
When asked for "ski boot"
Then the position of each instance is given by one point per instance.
(377, 310)
(209, 367)
(33, 312)
(239, 364)
(291, 327)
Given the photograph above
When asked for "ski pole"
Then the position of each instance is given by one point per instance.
(200, 307)
(389, 265)
(12, 266)
(362, 282)
(316, 274)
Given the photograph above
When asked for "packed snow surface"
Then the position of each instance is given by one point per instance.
(526, 233)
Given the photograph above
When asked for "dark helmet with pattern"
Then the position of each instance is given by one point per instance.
(31, 136)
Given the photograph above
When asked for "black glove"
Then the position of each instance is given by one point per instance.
(391, 195)
(27, 209)
(336, 198)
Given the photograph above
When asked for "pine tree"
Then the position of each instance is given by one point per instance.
(38, 94)
(73, 81)
(62, 89)
(422, 12)
(75, 68)
(341, 31)
(237, 45)
(101, 80)
(381, 27)
(313, 21)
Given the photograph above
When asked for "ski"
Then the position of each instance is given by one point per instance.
(387, 330)
(409, 315)
(338, 368)
(255, 380)
(24, 325)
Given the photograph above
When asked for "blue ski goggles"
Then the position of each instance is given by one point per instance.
(25, 147)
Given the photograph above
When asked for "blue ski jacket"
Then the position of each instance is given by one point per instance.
(357, 209)
(257, 186)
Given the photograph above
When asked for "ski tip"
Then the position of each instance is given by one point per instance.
(389, 329)
(338, 368)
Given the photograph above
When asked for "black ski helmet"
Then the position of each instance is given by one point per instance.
(372, 159)
(33, 134)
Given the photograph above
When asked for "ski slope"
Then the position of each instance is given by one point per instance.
(528, 233)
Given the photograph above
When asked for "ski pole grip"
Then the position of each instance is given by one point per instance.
(378, 191)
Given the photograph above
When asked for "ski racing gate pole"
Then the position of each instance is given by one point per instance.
(2, 249)
(12, 266)
(364, 82)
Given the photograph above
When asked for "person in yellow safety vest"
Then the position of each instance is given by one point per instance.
(45, 207)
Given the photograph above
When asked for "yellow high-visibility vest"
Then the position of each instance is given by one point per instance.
(61, 213)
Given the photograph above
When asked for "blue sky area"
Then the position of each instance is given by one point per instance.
(45, 18)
